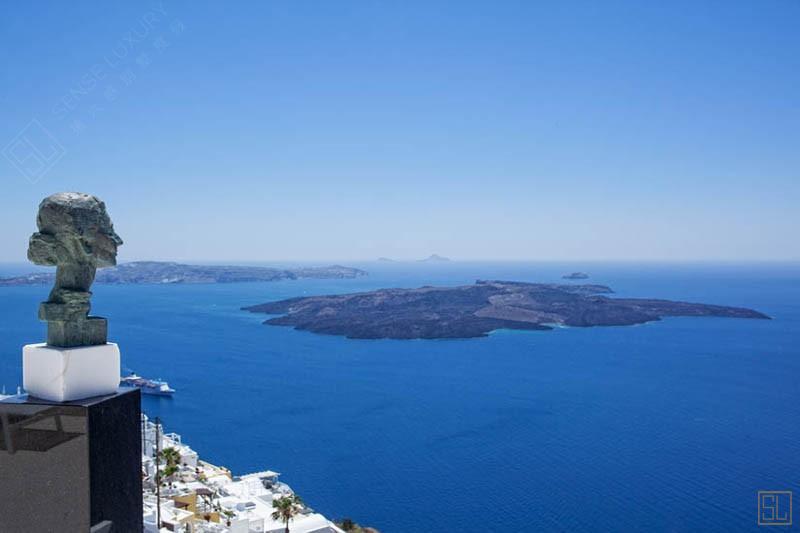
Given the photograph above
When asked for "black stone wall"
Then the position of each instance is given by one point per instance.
(65, 467)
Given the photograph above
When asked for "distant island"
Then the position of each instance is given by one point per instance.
(434, 258)
(576, 275)
(166, 272)
(475, 310)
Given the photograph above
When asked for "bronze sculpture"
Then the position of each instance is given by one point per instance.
(77, 237)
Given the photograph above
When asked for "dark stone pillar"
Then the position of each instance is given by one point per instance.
(71, 466)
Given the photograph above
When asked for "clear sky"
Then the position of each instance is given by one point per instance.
(346, 130)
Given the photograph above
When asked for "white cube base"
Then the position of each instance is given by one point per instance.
(66, 374)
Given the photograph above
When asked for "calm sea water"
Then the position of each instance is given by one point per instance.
(670, 426)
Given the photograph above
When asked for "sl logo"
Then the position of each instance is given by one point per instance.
(774, 508)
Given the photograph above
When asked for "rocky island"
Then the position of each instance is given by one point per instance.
(576, 275)
(166, 272)
(475, 310)
(435, 258)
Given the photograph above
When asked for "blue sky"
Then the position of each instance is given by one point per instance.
(346, 130)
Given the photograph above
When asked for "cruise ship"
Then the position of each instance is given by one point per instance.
(147, 386)
(3, 394)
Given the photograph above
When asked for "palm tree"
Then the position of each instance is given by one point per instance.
(168, 474)
(173, 459)
(228, 515)
(171, 456)
(286, 508)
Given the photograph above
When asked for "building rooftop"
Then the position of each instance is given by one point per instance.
(200, 497)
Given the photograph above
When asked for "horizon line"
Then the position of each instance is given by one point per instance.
(330, 261)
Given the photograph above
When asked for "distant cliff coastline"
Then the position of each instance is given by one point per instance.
(140, 272)
(475, 310)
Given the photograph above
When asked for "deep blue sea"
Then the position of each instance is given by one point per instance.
(669, 426)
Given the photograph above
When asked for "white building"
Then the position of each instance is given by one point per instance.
(203, 498)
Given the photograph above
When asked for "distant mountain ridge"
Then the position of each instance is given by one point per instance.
(435, 258)
(139, 272)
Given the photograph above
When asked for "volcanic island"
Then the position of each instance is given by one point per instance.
(476, 310)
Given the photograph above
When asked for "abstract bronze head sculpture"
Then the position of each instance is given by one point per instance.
(77, 237)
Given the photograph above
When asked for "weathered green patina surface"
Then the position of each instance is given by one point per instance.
(77, 237)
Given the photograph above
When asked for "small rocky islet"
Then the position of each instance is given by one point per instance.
(576, 275)
(476, 310)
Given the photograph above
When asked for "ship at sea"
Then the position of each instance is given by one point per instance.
(147, 386)
(3, 394)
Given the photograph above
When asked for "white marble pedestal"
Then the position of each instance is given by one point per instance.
(66, 374)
